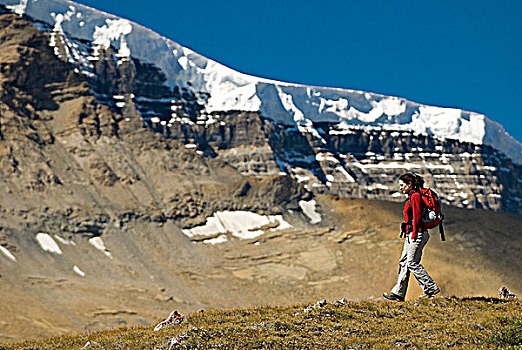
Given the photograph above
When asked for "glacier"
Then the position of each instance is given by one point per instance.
(283, 102)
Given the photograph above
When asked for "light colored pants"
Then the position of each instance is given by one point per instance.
(410, 262)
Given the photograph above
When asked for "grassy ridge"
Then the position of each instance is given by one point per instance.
(444, 322)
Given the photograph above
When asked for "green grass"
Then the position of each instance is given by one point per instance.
(439, 323)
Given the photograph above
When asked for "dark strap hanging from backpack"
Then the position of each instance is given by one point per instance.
(441, 230)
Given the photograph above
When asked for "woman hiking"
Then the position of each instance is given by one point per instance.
(416, 238)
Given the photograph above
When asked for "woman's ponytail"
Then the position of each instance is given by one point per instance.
(416, 180)
(419, 181)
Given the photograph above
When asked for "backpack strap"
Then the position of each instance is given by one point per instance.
(410, 222)
(404, 225)
(441, 229)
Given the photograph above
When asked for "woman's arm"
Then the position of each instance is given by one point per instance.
(415, 200)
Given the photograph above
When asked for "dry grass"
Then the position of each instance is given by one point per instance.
(439, 323)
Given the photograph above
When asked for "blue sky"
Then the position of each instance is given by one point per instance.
(464, 54)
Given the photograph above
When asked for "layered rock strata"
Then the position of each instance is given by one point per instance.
(345, 160)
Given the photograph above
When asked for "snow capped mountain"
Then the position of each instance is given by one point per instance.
(136, 175)
(220, 88)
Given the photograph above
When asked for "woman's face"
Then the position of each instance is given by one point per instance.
(405, 187)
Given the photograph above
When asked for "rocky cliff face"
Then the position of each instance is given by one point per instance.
(362, 161)
(69, 151)
(366, 163)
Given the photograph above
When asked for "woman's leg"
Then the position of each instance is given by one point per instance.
(414, 254)
(404, 273)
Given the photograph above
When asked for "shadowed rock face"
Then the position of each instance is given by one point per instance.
(65, 149)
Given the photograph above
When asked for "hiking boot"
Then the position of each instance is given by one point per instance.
(393, 297)
(429, 295)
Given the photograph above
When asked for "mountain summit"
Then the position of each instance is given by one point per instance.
(224, 89)
(339, 141)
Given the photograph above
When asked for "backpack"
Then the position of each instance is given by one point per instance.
(431, 213)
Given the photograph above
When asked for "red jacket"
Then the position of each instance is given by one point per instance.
(412, 214)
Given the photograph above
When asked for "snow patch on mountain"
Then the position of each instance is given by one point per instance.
(303, 124)
(19, 9)
(7, 253)
(228, 92)
(240, 224)
(286, 103)
(448, 121)
(115, 29)
(97, 242)
(310, 210)
(78, 271)
(47, 243)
